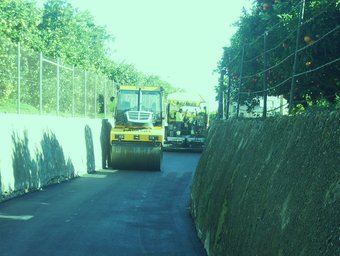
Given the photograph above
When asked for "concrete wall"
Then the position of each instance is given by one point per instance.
(270, 187)
(38, 150)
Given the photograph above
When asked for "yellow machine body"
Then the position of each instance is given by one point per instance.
(190, 134)
(138, 134)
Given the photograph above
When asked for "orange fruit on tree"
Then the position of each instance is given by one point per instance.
(307, 39)
(265, 7)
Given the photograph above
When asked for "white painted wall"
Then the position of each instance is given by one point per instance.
(70, 133)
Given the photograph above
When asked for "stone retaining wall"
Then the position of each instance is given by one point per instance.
(270, 187)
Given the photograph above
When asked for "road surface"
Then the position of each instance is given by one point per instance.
(106, 213)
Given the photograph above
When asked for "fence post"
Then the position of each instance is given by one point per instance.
(18, 76)
(58, 85)
(240, 84)
(228, 92)
(225, 96)
(105, 97)
(292, 86)
(264, 114)
(85, 92)
(221, 93)
(229, 86)
(40, 83)
(73, 92)
(95, 96)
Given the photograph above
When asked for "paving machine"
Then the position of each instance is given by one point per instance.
(188, 134)
(138, 133)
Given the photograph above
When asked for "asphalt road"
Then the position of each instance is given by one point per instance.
(106, 213)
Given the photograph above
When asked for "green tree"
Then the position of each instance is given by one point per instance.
(58, 30)
(18, 22)
(318, 44)
(73, 35)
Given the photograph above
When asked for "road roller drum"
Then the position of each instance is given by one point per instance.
(141, 156)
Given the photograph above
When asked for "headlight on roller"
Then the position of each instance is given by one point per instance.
(119, 136)
(153, 137)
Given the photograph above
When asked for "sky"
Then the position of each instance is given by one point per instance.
(181, 41)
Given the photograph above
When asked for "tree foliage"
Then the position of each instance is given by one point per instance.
(127, 74)
(59, 30)
(73, 35)
(19, 22)
(317, 67)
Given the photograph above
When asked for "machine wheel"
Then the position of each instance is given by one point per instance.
(136, 156)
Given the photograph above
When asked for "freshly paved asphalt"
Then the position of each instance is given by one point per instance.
(106, 213)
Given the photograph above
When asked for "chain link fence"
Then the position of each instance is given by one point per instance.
(31, 83)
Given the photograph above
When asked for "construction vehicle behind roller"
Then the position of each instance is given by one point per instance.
(138, 133)
(190, 134)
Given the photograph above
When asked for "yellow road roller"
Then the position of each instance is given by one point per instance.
(138, 133)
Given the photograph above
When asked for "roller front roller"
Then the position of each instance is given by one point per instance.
(136, 156)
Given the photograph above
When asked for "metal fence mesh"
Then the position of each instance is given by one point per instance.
(31, 83)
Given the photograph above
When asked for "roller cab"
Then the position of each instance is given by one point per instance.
(137, 137)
